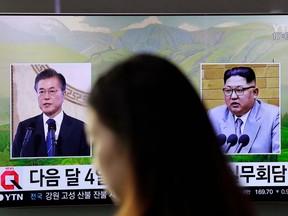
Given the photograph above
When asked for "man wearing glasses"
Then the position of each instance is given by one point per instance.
(255, 124)
(53, 132)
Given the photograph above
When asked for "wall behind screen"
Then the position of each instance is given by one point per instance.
(140, 6)
(143, 6)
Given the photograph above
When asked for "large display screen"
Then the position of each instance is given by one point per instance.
(82, 46)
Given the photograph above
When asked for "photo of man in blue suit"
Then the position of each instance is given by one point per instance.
(258, 121)
(68, 135)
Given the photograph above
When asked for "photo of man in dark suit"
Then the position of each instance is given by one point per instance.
(67, 133)
(245, 116)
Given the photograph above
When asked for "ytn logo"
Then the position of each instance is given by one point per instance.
(11, 197)
(280, 27)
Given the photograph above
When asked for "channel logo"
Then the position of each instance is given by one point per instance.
(11, 197)
(10, 180)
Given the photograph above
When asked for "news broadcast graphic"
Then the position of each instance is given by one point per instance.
(52, 185)
(260, 136)
(82, 46)
(24, 98)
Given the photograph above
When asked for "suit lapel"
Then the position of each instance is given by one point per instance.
(39, 139)
(65, 130)
(226, 123)
(227, 126)
(252, 126)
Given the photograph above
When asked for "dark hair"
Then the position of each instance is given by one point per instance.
(48, 73)
(151, 105)
(246, 72)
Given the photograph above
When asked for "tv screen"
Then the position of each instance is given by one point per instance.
(82, 46)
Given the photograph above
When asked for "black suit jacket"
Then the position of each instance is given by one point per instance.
(71, 141)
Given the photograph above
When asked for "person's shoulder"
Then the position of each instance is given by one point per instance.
(267, 106)
(218, 109)
(29, 120)
(73, 119)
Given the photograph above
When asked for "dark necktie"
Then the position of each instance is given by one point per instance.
(49, 141)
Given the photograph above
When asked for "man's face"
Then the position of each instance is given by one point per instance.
(50, 96)
(240, 104)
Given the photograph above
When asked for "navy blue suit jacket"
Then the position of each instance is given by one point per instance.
(71, 140)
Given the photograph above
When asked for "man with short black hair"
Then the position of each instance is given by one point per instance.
(68, 137)
(244, 113)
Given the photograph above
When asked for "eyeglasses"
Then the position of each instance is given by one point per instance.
(238, 91)
(51, 92)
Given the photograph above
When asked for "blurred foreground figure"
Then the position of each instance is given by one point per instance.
(145, 117)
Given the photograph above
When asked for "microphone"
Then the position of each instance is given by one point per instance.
(51, 129)
(221, 139)
(243, 141)
(29, 131)
(231, 141)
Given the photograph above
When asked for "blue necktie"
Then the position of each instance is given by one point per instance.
(49, 142)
